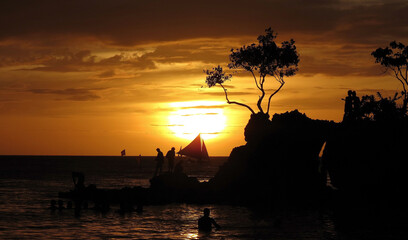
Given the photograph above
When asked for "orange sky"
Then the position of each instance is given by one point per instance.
(95, 77)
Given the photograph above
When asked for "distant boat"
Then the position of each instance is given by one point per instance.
(123, 153)
(196, 149)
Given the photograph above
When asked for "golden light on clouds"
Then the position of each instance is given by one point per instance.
(191, 118)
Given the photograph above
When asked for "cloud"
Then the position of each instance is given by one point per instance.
(210, 133)
(205, 107)
(171, 109)
(374, 91)
(106, 74)
(85, 61)
(202, 50)
(221, 93)
(195, 114)
(128, 22)
(125, 44)
(70, 93)
(337, 66)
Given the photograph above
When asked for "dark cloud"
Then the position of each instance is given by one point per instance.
(128, 22)
(73, 94)
(202, 51)
(15, 54)
(38, 34)
(336, 66)
(371, 24)
(85, 61)
(107, 74)
(374, 91)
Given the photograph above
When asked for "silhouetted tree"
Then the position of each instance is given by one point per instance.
(263, 59)
(394, 58)
(383, 109)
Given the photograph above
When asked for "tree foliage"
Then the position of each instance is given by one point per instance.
(381, 108)
(395, 58)
(262, 59)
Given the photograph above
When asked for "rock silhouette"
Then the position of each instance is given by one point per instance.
(279, 163)
(279, 168)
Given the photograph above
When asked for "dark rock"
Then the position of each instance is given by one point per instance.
(279, 164)
(366, 162)
(257, 128)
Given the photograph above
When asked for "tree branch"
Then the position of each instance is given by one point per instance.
(276, 91)
(256, 82)
(402, 82)
(261, 76)
(277, 78)
(405, 101)
(402, 76)
(233, 102)
(259, 104)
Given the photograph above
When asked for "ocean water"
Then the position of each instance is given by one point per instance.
(28, 183)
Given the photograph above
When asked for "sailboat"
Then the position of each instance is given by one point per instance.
(196, 149)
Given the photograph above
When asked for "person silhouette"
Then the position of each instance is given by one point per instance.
(356, 105)
(348, 106)
(78, 178)
(159, 159)
(171, 155)
(205, 223)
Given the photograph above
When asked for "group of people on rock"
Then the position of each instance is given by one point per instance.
(170, 156)
(352, 106)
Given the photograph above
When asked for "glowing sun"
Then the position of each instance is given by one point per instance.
(191, 118)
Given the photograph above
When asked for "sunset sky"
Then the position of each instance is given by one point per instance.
(96, 77)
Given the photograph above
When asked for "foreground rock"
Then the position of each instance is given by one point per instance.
(279, 165)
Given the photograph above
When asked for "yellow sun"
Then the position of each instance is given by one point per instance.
(191, 118)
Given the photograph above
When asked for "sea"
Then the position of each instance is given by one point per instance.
(29, 183)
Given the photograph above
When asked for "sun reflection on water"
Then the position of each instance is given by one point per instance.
(191, 236)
